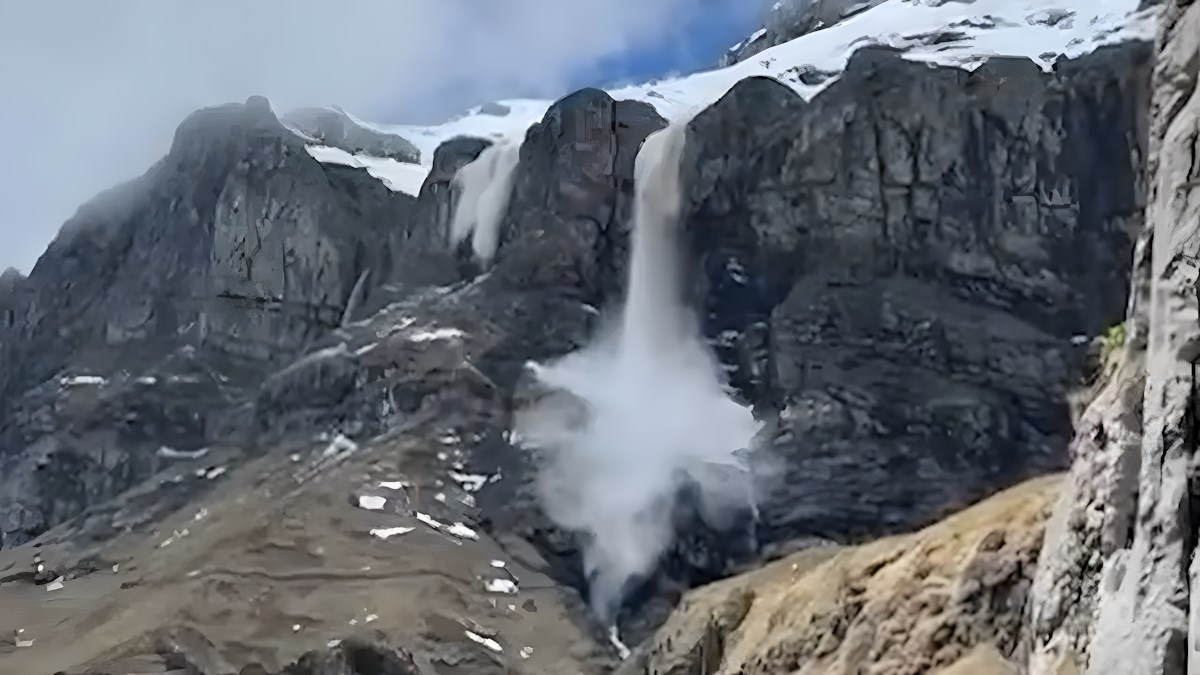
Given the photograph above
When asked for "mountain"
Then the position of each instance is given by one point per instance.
(262, 407)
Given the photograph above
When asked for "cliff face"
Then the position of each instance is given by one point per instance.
(236, 244)
(899, 274)
(1116, 578)
(902, 266)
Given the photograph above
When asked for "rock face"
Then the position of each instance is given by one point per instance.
(900, 265)
(237, 244)
(572, 196)
(1115, 581)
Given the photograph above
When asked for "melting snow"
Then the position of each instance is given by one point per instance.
(371, 502)
(985, 28)
(385, 532)
(339, 446)
(393, 484)
(397, 176)
(175, 535)
(79, 380)
(436, 334)
(171, 453)
(486, 642)
(471, 482)
(462, 531)
(507, 586)
(457, 529)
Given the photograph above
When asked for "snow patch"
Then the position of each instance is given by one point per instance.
(171, 453)
(81, 380)
(506, 586)
(385, 532)
(988, 28)
(395, 175)
(471, 482)
(486, 642)
(371, 502)
(436, 334)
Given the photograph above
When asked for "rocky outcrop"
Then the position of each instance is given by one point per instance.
(789, 19)
(568, 221)
(906, 281)
(1116, 581)
(237, 245)
(335, 128)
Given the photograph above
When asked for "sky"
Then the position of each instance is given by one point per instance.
(94, 90)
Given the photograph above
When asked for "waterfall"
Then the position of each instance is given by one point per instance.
(485, 187)
(639, 411)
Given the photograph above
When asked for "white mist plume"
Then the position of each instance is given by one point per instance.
(640, 411)
(486, 186)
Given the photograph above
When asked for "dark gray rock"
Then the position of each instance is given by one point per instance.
(568, 219)
(423, 242)
(237, 244)
(899, 267)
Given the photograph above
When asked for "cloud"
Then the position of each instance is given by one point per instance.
(93, 90)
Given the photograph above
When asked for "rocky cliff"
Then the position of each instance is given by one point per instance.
(1115, 580)
(895, 267)
(268, 394)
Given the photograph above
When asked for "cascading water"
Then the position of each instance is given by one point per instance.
(486, 186)
(641, 410)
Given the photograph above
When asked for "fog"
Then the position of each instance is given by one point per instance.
(92, 91)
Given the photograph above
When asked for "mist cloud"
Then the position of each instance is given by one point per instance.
(640, 413)
(92, 91)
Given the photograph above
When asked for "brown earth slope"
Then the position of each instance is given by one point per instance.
(948, 599)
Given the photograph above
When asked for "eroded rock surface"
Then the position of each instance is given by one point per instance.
(1116, 586)
(903, 268)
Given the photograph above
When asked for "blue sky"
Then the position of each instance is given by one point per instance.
(710, 28)
(693, 41)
